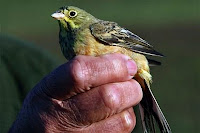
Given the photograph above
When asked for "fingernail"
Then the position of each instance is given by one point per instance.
(128, 119)
(132, 67)
(126, 57)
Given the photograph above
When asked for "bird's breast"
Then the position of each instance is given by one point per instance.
(92, 47)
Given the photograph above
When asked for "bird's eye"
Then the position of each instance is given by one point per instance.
(72, 14)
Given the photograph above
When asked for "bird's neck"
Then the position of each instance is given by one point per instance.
(67, 38)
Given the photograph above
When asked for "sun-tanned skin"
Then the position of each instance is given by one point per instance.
(105, 108)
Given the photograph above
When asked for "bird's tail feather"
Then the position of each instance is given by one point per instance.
(150, 111)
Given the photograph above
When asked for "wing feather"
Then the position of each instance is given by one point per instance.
(112, 34)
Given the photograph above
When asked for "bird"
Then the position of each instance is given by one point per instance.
(83, 34)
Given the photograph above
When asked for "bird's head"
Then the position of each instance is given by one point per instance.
(72, 17)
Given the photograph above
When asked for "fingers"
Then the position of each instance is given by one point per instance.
(95, 71)
(103, 101)
(113, 91)
(84, 72)
(123, 122)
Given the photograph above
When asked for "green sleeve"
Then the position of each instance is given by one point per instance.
(22, 65)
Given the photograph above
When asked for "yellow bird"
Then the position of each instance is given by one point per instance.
(83, 34)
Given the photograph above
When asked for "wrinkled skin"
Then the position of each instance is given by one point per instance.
(87, 94)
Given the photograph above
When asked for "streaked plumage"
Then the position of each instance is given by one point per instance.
(83, 34)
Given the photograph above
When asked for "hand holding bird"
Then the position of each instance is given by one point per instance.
(83, 34)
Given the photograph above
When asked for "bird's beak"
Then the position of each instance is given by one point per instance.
(58, 16)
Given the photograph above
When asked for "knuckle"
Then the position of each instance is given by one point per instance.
(110, 95)
(137, 90)
(79, 71)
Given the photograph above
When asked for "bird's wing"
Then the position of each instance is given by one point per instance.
(112, 34)
(153, 62)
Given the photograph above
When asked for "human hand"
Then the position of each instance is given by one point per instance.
(87, 94)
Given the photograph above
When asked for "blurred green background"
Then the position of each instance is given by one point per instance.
(172, 27)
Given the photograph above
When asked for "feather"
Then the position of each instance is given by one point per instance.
(112, 34)
(150, 111)
(153, 62)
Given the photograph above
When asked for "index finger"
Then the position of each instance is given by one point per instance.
(94, 71)
(85, 72)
